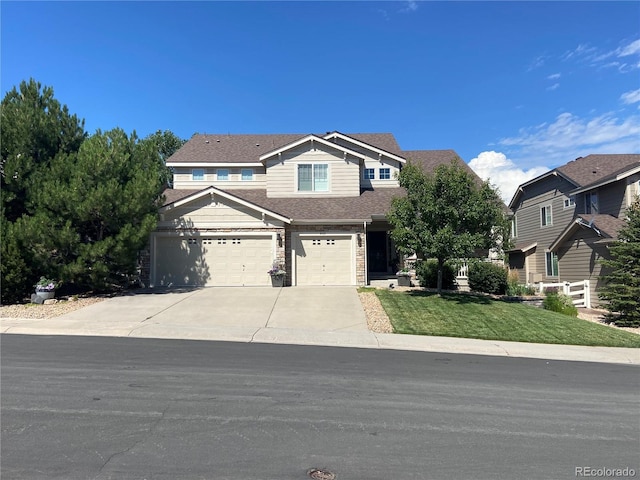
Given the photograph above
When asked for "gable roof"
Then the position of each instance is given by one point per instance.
(374, 143)
(606, 226)
(311, 138)
(595, 169)
(589, 172)
(248, 148)
(307, 209)
(181, 197)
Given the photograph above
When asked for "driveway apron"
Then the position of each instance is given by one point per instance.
(192, 312)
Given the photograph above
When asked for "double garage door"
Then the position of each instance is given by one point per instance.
(213, 261)
(245, 260)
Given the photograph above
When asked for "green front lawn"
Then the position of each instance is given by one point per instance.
(476, 316)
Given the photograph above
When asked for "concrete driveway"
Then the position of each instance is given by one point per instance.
(224, 313)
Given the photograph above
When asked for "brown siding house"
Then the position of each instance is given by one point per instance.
(565, 219)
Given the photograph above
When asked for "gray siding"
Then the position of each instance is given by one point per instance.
(579, 259)
(551, 191)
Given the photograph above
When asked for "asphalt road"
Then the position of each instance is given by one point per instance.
(115, 408)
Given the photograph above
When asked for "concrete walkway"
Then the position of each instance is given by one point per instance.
(328, 316)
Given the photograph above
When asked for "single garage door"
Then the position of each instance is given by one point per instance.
(324, 260)
(214, 261)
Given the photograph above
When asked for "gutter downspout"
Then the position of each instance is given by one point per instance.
(366, 247)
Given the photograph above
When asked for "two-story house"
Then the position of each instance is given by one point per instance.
(564, 220)
(315, 204)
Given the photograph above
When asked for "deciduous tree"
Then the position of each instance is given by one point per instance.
(446, 214)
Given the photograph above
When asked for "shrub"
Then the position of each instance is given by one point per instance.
(516, 289)
(488, 278)
(427, 273)
(559, 302)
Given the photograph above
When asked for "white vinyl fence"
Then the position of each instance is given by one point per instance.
(575, 289)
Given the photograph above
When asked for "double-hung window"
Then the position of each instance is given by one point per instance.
(222, 174)
(552, 264)
(313, 177)
(197, 174)
(591, 202)
(246, 174)
(545, 216)
(385, 174)
(369, 173)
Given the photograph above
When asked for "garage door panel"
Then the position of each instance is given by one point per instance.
(324, 260)
(214, 261)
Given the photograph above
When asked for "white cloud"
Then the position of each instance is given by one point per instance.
(536, 63)
(555, 76)
(503, 173)
(553, 87)
(631, 49)
(411, 6)
(631, 97)
(580, 51)
(600, 58)
(570, 136)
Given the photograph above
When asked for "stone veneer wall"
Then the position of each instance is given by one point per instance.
(338, 229)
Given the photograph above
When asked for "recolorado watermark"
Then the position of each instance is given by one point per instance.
(605, 472)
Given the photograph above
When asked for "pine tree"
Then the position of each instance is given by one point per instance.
(103, 204)
(622, 287)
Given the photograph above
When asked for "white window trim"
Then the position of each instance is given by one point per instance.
(569, 202)
(550, 222)
(242, 172)
(364, 173)
(223, 170)
(380, 173)
(193, 174)
(313, 192)
(514, 227)
(548, 255)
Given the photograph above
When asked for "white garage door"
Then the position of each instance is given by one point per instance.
(213, 261)
(324, 260)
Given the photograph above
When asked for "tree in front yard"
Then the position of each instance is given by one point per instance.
(622, 287)
(446, 214)
(96, 212)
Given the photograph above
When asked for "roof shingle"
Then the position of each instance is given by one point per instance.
(592, 169)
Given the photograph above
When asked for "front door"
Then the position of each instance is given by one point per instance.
(377, 252)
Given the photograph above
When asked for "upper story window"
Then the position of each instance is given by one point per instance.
(197, 174)
(385, 173)
(570, 202)
(222, 174)
(246, 174)
(369, 173)
(545, 216)
(313, 177)
(514, 227)
(591, 202)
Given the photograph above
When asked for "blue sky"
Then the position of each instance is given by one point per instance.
(515, 88)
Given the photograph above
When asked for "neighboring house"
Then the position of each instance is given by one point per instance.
(315, 204)
(564, 220)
